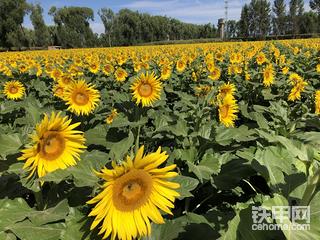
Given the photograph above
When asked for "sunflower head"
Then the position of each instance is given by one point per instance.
(81, 97)
(55, 145)
(317, 102)
(14, 90)
(146, 89)
(58, 90)
(226, 89)
(181, 65)
(261, 58)
(268, 76)
(215, 74)
(133, 194)
(112, 116)
(166, 72)
(228, 110)
(120, 74)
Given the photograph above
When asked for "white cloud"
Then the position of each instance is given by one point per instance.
(97, 27)
(198, 11)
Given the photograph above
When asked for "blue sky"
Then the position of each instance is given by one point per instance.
(192, 11)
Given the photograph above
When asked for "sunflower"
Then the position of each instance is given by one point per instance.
(55, 145)
(226, 89)
(14, 90)
(261, 58)
(81, 97)
(285, 70)
(215, 74)
(121, 74)
(146, 89)
(94, 68)
(111, 116)
(227, 111)
(181, 65)
(56, 74)
(166, 72)
(203, 91)
(108, 69)
(133, 194)
(317, 102)
(268, 76)
(65, 79)
(295, 78)
(58, 90)
(296, 91)
(318, 68)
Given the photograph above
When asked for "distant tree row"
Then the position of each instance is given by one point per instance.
(259, 19)
(71, 27)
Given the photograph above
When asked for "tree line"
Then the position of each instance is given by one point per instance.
(71, 28)
(260, 18)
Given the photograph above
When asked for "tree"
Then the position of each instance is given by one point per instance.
(315, 5)
(244, 22)
(231, 28)
(12, 13)
(73, 27)
(279, 19)
(40, 29)
(295, 12)
(308, 23)
(259, 23)
(107, 18)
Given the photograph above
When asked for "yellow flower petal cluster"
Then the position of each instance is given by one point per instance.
(133, 195)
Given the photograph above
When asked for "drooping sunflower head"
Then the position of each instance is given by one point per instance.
(268, 76)
(132, 195)
(228, 110)
(55, 145)
(81, 97)
(146, 89)
(317, 102)
(112, 116)
(166, 72)
(296, 91)
(14, 90)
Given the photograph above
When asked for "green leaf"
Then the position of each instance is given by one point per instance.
(74, 225)
(96, 136)
(211, 161)
(27, 231)
(224, 136)
(59, 212)
(121, 148)
(9, 144)
(7, 236)
(187, 184)
(82, 173)
(12, 211)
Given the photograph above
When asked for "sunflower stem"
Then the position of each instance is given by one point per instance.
(39, 198)
(137, 139)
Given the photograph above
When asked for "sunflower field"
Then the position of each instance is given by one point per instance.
(160, 142)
